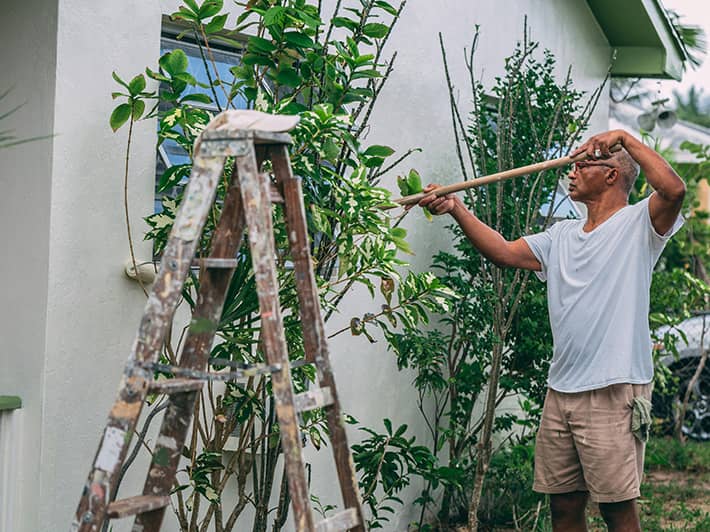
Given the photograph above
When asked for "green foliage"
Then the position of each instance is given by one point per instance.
(680, 282)
(508, 499)
(388, 460)
(329, 74)
(669, 453)
(136, 97)
(693, 107)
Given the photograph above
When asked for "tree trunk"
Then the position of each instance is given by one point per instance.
(483, 456)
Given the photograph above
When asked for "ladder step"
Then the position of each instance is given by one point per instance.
(275, 194)
(245, 370)
(312, 399)
(210, 262)
(175, 385)
(344, 520)
(139, 504)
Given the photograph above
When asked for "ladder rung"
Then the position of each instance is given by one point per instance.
(344, 520)
(210, 262)
(247, 370)
(139, 504)
(312, 399)
(175, 385)
(275, 194)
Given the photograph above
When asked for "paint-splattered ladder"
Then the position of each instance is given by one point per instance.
(250, 137)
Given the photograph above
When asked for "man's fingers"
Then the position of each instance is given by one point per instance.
(436, 204)
(579, 150)
(426, 200)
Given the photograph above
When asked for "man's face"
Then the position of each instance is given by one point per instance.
(587, 179)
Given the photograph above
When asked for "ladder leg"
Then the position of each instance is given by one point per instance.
(255, 197)
(214, 284)
(160, 307)
(313, 328)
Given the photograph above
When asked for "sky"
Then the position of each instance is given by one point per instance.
(695, 12)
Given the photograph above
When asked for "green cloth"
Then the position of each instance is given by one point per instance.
(641, 418)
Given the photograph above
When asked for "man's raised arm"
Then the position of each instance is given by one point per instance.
(490, 243)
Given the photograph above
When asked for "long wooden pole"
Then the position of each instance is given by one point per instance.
(493, 178)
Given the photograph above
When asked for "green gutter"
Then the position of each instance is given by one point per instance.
(642, 36)
(10, 402)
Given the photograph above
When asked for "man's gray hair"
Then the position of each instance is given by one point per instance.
(628, 168)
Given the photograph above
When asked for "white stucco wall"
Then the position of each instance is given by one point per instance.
(27, 58)
(78, 313)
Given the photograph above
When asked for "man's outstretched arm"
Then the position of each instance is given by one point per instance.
(669, 189)
(489, 242)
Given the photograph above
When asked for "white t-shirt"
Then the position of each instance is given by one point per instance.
(598, 297)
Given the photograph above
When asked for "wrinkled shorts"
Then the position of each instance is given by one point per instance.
(585, 443)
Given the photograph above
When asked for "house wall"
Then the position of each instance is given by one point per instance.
(27, 57)
(74, 351)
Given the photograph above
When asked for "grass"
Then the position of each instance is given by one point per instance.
(675, 495)
(676, 491)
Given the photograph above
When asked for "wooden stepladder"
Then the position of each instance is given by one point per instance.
(250, 137)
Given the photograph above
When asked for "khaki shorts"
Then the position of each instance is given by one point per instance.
(585, 443)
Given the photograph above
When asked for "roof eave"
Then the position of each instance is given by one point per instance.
(652, 50)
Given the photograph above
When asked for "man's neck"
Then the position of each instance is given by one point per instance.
(601, 209)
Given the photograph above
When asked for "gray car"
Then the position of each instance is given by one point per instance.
(696, 424)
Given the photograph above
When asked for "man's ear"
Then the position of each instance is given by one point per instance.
(612, 177)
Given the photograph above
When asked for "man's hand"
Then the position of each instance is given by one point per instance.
(597, 147)
(436, 205)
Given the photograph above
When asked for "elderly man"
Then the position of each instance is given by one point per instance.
(598, 273)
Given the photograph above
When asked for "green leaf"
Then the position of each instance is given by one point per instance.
(414, 182)
(216, 24)
(119, 80)
(379, 151)
(375, 30)
(196, 97)
(274, 16)
(192, 5)
(138, 108)
(136, 85)
(184, 13)
(254, 59)
(398, 232)
(119, 116)
(402, 245)
(343, 22)
(174, 62)
(210, 8)
(330, 150)
(289, 77)
(172, 176)
(366, 74)
(389, 8)
(299, 39)
(260, 44)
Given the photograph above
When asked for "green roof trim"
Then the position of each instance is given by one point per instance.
(646, 44)
(10, 402)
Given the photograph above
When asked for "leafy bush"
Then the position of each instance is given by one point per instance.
(329, 73)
